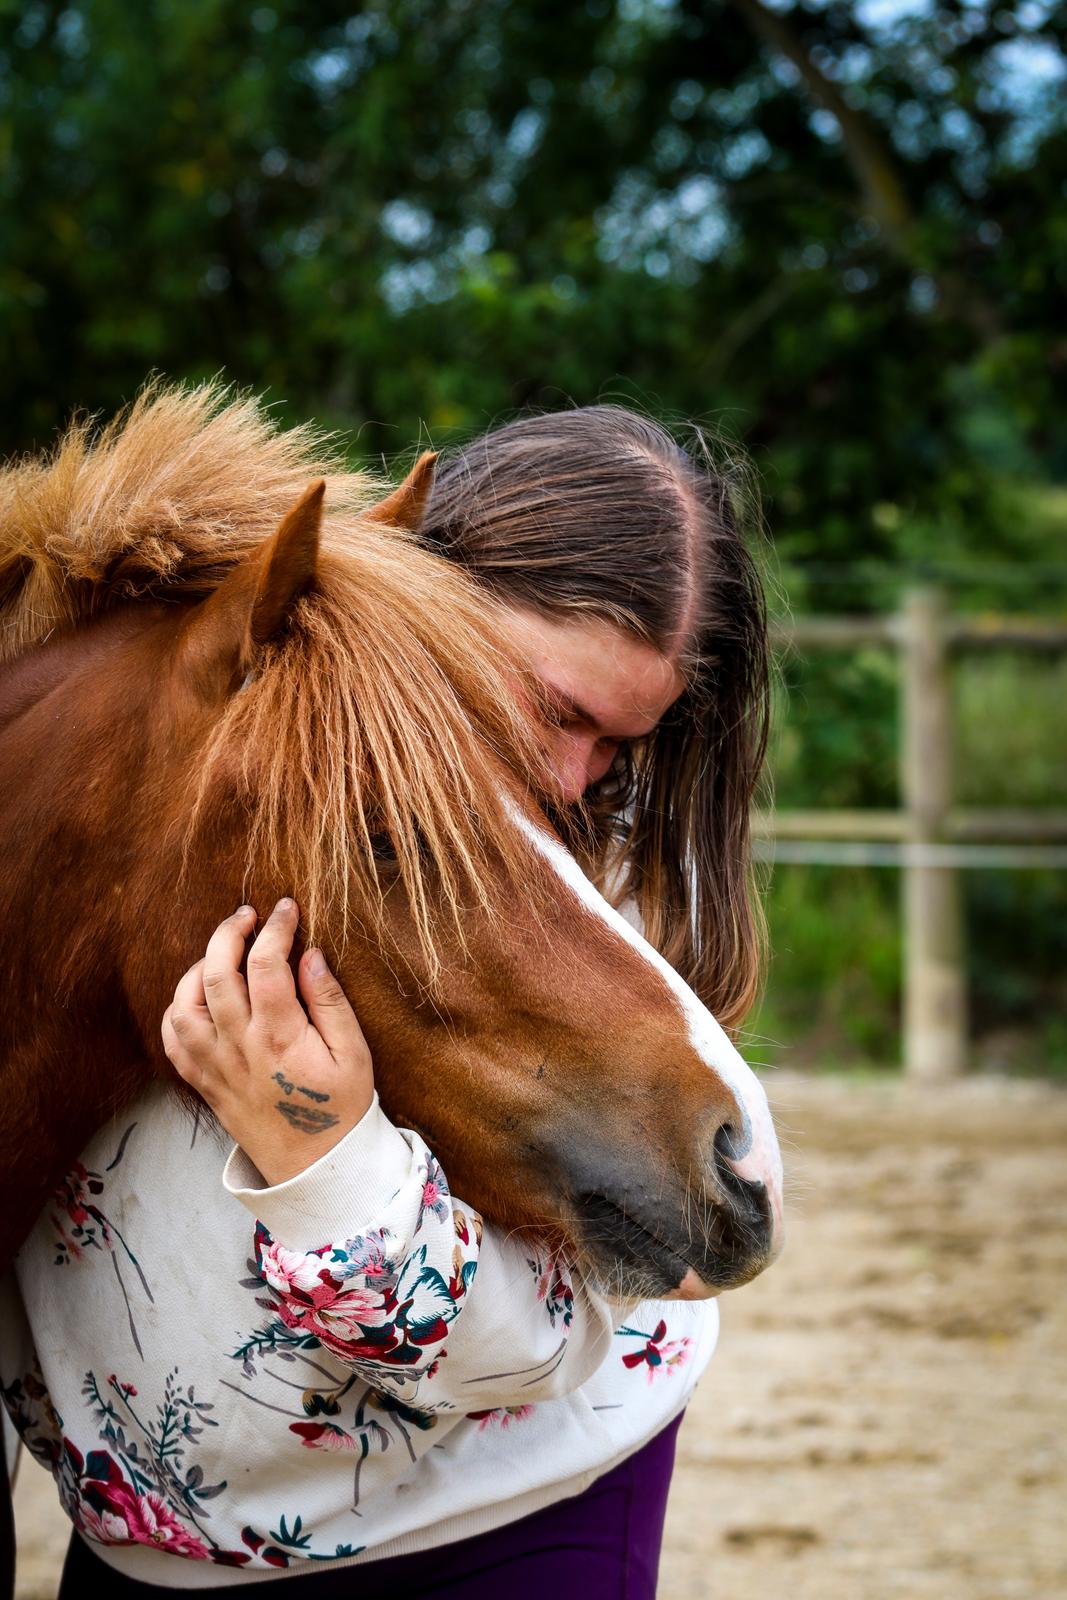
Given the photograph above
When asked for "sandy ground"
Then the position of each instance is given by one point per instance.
(885, 1417)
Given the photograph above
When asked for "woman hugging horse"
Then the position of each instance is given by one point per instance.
(325, 1365)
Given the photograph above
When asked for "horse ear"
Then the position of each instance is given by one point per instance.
(287, 565)
(251, 604)
(406, 506)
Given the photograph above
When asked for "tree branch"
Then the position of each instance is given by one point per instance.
(866, 152)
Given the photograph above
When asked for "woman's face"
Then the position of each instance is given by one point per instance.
(604, 685)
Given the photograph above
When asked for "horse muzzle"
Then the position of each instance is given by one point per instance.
(717, 1233)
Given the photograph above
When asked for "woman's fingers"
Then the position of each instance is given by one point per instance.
(225, 991)
(187, 1028)
(185, 1064)
(189, 1014)
(271, 990)
(271, 1076)
(329, 1009)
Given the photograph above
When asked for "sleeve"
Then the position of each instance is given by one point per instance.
(368, 1254)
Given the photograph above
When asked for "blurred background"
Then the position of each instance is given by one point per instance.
(836, 235)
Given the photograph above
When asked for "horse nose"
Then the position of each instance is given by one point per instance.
(744, 1149)
(712, 1231)
(733, 1138)
(730, 1151)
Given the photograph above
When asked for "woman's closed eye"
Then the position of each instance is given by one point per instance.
(578, 728)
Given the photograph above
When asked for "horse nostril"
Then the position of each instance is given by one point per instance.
(732, 1143)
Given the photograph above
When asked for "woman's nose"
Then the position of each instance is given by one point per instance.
(579, 762)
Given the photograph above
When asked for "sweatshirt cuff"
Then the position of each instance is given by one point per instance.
(343, 1194)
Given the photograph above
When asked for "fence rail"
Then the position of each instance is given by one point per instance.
(929, 838)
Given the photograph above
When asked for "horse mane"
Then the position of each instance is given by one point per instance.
(386, 710)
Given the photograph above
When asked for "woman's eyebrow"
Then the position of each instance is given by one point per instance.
(569, 707)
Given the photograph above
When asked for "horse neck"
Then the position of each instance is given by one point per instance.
(83, 904)
(73, 717)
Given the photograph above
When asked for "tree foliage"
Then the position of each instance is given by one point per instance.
(836, 229)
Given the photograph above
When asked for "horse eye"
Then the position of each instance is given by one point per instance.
(381, 847)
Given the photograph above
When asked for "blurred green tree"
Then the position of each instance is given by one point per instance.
(836, 228)
(834, 231)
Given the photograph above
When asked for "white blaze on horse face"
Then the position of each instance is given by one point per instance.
(757, 1157)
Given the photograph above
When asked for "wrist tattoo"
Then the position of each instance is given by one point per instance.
(306, 1119)
(312, 1094)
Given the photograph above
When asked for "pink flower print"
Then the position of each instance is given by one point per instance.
(499, 1417)
(116, 1514)
(120, 1388)
(466, 1225)
(289, 1270)
(435, 1193)
(344, 1315)
(313, 1301)
(105, 1527)
(70, 1192)
(554, 1289)
(323, 1436)
(660, 1354)
(366, 1254)
(71, 1195)
(543, 1271)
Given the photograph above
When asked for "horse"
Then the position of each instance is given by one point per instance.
(216, 692)
(229, 671)
(213, 692)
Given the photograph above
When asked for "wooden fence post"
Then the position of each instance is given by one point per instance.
(935, 992)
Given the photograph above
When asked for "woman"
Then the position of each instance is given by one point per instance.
(529, 1442)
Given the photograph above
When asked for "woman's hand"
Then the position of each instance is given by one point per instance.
(285, 1088)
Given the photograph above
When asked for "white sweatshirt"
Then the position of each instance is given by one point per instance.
(230, 1379)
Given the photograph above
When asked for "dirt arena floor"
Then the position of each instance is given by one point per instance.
(885, 1417)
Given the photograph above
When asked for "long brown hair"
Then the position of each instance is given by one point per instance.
(599, 510)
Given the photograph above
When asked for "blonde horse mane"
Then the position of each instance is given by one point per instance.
(384, 713)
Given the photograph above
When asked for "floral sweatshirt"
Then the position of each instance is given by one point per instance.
(228, 1380)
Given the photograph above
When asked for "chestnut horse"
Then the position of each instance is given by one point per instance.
(214, 691)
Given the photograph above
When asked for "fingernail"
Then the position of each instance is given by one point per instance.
(285, 904)
(245, 911)
(316, 963)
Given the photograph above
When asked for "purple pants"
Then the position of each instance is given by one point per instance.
(602, 1544)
